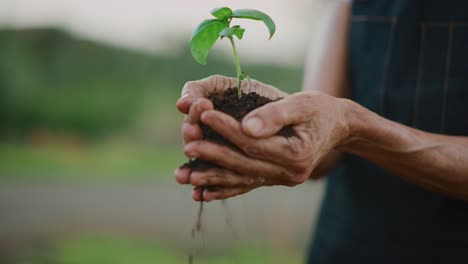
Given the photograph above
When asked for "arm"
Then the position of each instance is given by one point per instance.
(326, 64)
(324, 123)
(436, 162)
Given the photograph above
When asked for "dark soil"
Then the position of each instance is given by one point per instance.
(230, 103)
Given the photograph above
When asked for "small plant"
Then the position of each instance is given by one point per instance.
(208, 32)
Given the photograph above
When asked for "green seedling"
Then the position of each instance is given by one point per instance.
(210, 30)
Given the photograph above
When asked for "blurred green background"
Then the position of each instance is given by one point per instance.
(70, 105)
(89, 140)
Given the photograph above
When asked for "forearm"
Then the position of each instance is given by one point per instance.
(436, 162)
(326, 64)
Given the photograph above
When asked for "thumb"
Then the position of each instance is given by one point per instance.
(269, 119)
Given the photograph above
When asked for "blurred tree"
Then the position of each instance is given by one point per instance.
(50, 80)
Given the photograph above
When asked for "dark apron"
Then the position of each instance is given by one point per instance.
(409, 63)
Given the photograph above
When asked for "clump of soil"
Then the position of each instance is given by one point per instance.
(230, 103)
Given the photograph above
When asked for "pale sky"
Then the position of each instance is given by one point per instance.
(148, 24)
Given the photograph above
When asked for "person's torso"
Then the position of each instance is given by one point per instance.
(408, 63)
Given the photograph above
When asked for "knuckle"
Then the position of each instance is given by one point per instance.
(248, 181)
(302, 166)
(278, 114)
(195, 178)
(218, 81)
(221, 194)
(301, 178)
(252, 150)
(215, 177)
(189, 87)
(296, 180)
(185, 129)
(215, 77)
(221, 119)
(309, 96)
(247, 168)
(293, 178)
(250, 168)
(294, 147)
(290, 184)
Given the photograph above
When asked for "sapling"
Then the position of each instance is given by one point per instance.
(210, 30)
(203, 39)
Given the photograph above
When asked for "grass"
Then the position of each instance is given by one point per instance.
(112, 250)
(101, 161)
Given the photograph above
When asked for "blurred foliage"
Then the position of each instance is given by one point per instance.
(118, 250)
(23, 162)
(52, 81)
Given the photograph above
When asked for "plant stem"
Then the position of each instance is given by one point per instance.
(238, 67)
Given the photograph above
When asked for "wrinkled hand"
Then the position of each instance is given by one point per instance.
(193, 101)
(320, 122)
(201, 89)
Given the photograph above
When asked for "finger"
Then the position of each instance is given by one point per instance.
(197, 194)
(191, 132)
(224, 193)
(190, 128)
(230, 159)
(196, 109)
(202, 88)
(182, 175)
(184, 102)
(277, 149)
(267, 120)
(190, 92)
(220, 177)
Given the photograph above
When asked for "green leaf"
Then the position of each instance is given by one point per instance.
(222, 12)
(256, 15)
(239, 33)
(204, 37)
(202, 25)
(232, 31)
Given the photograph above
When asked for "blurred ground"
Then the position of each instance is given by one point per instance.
(153, 212)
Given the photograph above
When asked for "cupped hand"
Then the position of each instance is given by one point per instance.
(193, 103)
(194, 90)
(321, 123)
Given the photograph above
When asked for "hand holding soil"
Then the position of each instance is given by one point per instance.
(261, 157)
(217, 84)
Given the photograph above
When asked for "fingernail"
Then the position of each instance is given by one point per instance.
(184, 97)
(254, 125)
(190, 152)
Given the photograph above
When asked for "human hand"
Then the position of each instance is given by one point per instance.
(321, 123)
(202, 88)
(193, 103)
